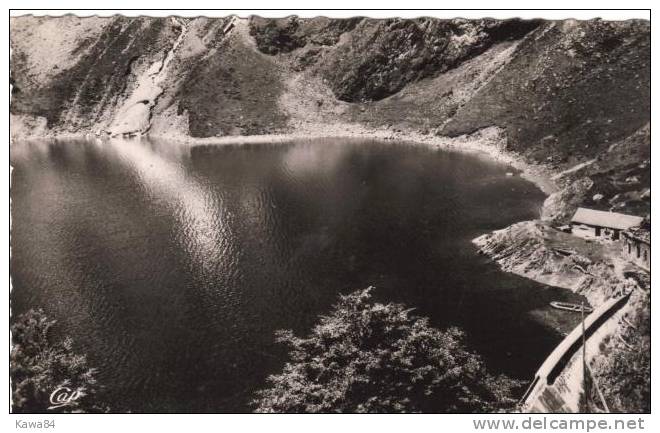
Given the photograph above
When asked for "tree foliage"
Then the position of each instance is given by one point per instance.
(625, 374)
(629, 387)
(39, 365)
(370, 357)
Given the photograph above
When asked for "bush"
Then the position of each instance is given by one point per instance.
(370, 357)
(629, 387)
(625, 374)
(38, 366)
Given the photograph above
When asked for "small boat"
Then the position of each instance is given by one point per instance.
(570, 307)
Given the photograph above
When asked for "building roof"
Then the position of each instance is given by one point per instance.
(601, 218)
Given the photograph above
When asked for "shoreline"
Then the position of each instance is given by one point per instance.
(489, 142)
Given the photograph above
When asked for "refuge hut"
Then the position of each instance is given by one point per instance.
(601, 224)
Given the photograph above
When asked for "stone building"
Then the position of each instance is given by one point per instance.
(636, 247)
(591, 223)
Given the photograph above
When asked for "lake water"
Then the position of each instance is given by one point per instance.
(171, 266)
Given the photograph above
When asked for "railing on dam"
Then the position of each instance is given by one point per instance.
(554, 364)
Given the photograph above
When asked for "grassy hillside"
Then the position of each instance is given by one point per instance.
(77, 97)
(570, 91)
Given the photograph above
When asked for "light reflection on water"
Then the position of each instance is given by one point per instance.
(200, 220)
(171, 266)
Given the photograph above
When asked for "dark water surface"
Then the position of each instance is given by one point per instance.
(172, 266)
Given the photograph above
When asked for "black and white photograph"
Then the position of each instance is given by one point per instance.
(289, 212)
